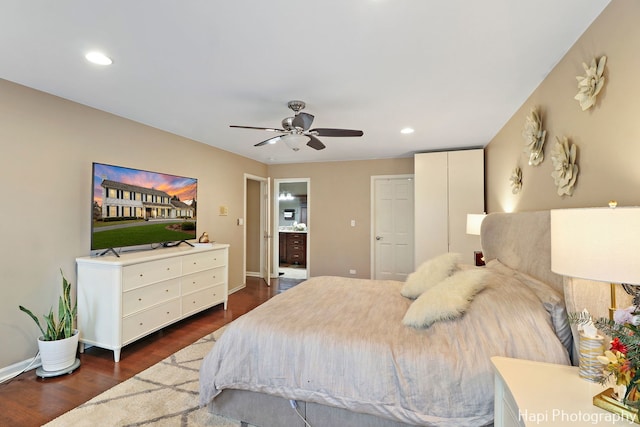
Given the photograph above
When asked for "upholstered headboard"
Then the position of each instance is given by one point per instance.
(521, 241)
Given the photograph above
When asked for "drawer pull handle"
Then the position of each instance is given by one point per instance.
(139, 299)
(141, 323)
(141, 275)
(168, 312)
(194, 263)
(166, 290)
(168, 268)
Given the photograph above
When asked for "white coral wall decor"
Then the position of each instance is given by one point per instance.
(591, 83)
(565, 170)
(516, 180)
(534, 138)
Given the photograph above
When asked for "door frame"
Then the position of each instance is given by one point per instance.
(275, 247)
(372, 191)
(265, 236)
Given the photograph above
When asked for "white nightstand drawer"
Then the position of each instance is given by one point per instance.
(203, 298)
(142, 323)
(203, 261)
(137, 275)
(147, 296)
(204, 279)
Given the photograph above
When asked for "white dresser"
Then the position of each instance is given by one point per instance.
(122, 299)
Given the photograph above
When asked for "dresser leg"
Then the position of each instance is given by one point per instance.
(116, 355)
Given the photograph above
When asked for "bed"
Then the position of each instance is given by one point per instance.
(336, 351)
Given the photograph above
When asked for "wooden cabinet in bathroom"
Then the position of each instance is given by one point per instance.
(293, 248)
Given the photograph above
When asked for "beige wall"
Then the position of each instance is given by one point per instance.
(339, 192)
(607, 136)
(48, 146)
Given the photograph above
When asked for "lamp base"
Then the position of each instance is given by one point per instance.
(478, 258)
(607, 401)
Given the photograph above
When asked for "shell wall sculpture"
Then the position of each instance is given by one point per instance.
(590, 85)
(565, 170)
(516, 180)
(534, 138)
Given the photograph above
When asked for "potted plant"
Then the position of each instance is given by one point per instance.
(59, 340)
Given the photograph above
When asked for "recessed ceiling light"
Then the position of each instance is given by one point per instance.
(98, 58)
(407, 131)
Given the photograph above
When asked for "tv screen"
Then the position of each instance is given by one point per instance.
(133, 207)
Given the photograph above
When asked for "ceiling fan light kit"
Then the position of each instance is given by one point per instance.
(295, 130)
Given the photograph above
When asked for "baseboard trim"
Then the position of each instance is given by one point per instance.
(254, 274)
(16, 369)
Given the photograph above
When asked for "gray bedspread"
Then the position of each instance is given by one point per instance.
(341, 342)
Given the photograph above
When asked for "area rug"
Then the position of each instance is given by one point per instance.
(166, 394)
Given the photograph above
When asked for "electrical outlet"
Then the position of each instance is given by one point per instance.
(353, 222)
(352, 271)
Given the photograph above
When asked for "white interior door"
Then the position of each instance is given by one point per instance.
(267, 234)
(392, 227)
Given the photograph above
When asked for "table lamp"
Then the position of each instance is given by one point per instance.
(601, 244)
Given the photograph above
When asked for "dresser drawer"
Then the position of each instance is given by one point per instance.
(203, 298)
(136, 275)
(147, 296)
(293, 257)
(203, 279)
(203, 261)
(144, 322)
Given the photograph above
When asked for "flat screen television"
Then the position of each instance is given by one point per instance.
(133, 207)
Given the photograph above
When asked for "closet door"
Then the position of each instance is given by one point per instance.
(448, 186)
(431, 206)
(466, 196)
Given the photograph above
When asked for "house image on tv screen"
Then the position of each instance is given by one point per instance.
(122, 200)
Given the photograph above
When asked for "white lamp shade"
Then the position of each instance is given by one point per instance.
(474, 221)
(597, 244)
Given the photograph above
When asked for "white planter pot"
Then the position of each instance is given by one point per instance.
(59, 354)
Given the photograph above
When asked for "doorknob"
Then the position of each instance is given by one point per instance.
(378, 237)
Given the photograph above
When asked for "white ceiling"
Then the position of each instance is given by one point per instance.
(455, 70)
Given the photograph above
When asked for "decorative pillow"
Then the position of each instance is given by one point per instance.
(551, 299)
(429, 274)
(447, 300)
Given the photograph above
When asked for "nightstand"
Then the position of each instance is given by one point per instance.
(544, 394)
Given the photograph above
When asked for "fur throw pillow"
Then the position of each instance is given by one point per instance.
(447, 300)
(429, 274)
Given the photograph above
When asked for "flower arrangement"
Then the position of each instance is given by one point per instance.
(621, 362)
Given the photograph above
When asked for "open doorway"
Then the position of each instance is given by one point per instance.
(292, 222)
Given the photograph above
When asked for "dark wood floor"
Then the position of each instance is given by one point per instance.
(29, 400)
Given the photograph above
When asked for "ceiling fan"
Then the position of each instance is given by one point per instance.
(295, 130)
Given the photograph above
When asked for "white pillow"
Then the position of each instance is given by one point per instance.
(429, 274)
(446, 301)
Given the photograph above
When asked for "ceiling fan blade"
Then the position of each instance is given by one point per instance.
(269, 141)
(257, 128)
(315, 143)
(302, 120)
(336, 132)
